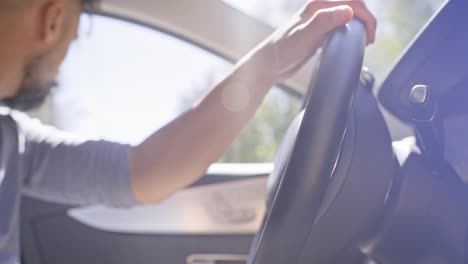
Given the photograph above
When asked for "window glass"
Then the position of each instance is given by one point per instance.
(122, 81)
(399, 21)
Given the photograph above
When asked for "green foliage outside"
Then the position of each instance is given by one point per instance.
(399, 22)
(261, 138)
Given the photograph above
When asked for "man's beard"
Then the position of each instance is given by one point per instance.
(32, 93)
(28, 99)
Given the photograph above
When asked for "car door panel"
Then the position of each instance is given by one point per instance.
(210, 218)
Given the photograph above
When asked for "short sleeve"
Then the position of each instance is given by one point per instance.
(60, 167)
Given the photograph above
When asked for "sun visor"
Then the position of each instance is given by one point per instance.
(438, 58)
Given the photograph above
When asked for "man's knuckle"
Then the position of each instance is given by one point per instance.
(360, 4)
(312, 7)
(320, 17)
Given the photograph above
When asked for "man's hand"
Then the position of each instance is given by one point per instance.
(179, 153)
(292, 45)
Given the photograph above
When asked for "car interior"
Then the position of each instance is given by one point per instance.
(340, 190)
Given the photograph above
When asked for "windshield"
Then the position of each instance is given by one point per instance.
(399, 21)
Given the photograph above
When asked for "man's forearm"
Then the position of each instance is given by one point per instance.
(180, 153)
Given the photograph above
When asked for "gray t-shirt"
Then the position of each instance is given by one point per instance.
(48, 164)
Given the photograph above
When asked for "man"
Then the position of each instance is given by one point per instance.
(52, 165)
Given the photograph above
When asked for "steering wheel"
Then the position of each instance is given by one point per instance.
(305, 173)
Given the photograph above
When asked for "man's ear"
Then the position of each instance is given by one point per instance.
(53, 20)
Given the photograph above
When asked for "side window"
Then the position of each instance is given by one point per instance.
(122, 81)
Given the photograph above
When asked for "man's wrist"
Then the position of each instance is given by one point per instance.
(260, 65)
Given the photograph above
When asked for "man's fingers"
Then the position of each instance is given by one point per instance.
(360, 11)
(328, 19)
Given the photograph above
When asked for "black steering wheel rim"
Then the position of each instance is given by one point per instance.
(307, 173)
